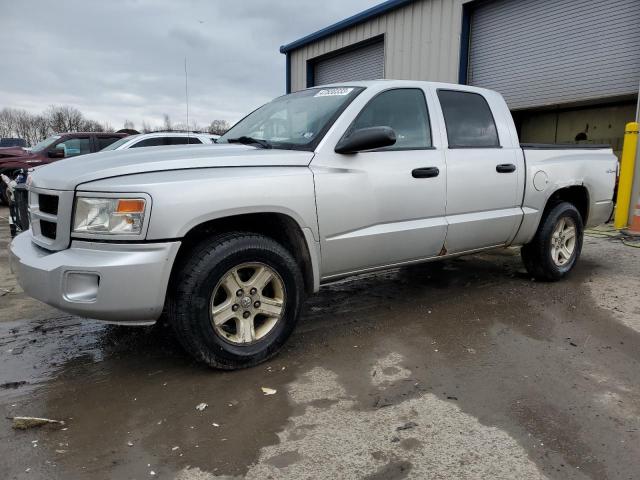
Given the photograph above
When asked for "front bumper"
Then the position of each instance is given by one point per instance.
(117, 282)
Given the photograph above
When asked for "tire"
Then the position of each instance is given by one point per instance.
(538, 255)
(205, 275)
(4, 194)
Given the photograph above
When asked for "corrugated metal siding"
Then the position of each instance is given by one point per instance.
(422, 42)
(364, 63)
(546, 52)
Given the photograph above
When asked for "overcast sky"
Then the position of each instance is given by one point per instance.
(124, 59)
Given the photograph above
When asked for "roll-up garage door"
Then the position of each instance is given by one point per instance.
(363, 63)
(546, 52)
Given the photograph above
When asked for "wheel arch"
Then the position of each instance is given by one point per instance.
(577, 195)
(278, 226)
(537, 208)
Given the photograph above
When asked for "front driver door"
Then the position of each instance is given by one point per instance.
(382, 207)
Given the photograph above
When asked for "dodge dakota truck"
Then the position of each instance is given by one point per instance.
(324, 183)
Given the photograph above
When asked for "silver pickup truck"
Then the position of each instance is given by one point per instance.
(316, 185)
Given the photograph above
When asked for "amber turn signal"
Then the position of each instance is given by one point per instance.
(130, 206)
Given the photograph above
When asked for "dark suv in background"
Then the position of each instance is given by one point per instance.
(55, 147)
(13, 142)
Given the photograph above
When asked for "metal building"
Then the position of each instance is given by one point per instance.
(569, 69)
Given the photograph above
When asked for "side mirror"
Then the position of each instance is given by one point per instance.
(56, 153)
(366, 139)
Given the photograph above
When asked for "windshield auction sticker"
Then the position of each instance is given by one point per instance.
(333, 92)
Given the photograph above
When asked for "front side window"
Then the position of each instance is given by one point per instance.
(75, 146)
(296, 121)
(405, 111)
(468, 119)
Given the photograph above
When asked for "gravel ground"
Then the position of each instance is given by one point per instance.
(471, 371)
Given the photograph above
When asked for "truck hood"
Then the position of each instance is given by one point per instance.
(17, 157)
(69, 173)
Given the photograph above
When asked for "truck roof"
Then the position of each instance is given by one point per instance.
(108, 134)
(405, 83)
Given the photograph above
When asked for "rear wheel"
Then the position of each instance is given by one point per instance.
(236, 300)
(556, 247)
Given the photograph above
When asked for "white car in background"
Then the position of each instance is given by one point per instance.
(157, 139)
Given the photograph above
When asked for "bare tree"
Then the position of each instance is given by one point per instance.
(166, 122)
(35, 127)
(28, 126)
(42, 129)
(65, 118)
(146, 128)
(129, 125)
(219, 127)
(22, 125)
(90, 126)
(7, 122)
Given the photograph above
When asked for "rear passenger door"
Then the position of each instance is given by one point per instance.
(484, 172)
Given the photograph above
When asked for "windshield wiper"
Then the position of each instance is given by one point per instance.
(250, 141)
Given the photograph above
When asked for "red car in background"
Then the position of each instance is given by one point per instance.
(55, 147)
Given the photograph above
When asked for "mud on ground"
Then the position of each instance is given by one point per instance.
(469, 371)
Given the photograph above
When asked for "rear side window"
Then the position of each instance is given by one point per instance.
(149, 142)
(468, 119)
(106, 141)
(405, 111)
(182, 140)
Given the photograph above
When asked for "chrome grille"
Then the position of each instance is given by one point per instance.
(50, 212)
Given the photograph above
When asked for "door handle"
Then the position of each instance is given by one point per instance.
(505, 168)
(426, 172)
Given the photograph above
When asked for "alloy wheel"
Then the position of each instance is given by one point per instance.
(563, 241)
(247, 303)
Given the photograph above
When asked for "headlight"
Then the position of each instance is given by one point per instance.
(109, 216)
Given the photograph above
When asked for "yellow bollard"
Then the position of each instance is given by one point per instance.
(625, 182)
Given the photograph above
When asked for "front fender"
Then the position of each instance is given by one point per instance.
(184, 199)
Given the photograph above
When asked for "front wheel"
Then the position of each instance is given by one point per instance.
(556, 247)
(236, 300)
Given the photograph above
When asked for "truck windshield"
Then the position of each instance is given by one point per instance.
(297, 121)
(44, 144)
